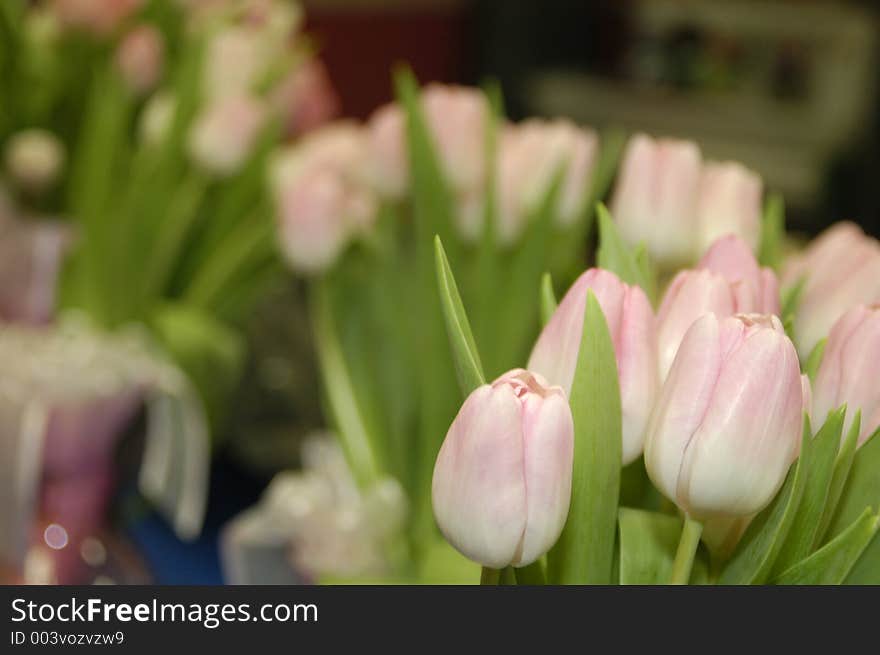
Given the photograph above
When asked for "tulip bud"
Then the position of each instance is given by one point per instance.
(655, 199)
(756, 289)
(306, 98)
(530, 155)
(632, 327)
(223, 135)
(156, 118)
(321, 197)
(34, 159)
(840, 269)
(729, 203)
(848, 372)
(502, 481)
(389, 163)
(140, 58)
(97, 16)
(727, 424)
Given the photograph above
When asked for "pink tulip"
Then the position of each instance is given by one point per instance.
(140, 58)
(729, 203)
(632, 327)
(530, 155)
(756, 289)
(502, 481)
(223, 135)
(97, 16)
(848, 372)
(728, 421)
(840, 269)
(655, 199)
(321, 196)
(389, 160)
(306, 98)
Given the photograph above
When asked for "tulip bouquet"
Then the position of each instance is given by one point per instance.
(144, 127)
(661, 426)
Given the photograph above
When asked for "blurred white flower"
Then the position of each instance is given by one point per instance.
(34, 159)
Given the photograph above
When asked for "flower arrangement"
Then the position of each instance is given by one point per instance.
(679, 417)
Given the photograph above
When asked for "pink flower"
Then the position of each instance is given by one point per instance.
(98, 16)
(756, 289)
(848, 372)
(728, 421)
(223, 135)
(502, 481)
(306, 97)
(140, 58)
(729, 203)
(632, 327)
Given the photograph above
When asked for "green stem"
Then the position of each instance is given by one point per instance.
(687, 549)
(533, 574)
(490, 576)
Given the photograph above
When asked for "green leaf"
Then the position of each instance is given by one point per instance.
(830, 564)
(442, 564)
(753, 559)
(648, 541)
(866, 570)
(614, 255)
(802, 535)
(584, 553)
(547, 299)
(842, 467)
(862, 489)
(811, 366)
(461, 340)
(772, 232)
(360, 446)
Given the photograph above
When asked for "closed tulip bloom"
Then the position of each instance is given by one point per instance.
(140, 58)
(34, 159)
(728, 421)
(848, 372)
(389, 161)
(223, 135)
(530, 155)
(632, 327)
(97, 16)
(321, 198)
(729, 203)
(840, 269)
(502, 481)
(655, 199)
(756, 288)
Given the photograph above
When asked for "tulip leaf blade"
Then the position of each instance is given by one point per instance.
(802, 535)
(814, 360)
(547, 298)
(585, 551)
(648, 542)
(772, 232)
(461, 340)
(753, 559)
(614, 255)
(842, 468)
(831, 564)
(862, 489)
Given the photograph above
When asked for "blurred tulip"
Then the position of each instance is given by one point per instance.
(306, 98)
(236, 57)
(389, 160)
(756, 289)
(34, 159)
(840, 269)
(729, 203)
(223, 135)
(727, 425)
(848, 372)
(502, 481)
(655, 199)
(530, 154)
(97, 16)
(632, 326)
(321, 197)
(140, 58)
(31, 255)
(157, 117)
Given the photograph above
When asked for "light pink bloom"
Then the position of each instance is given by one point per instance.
(756, 288)
(655, 198)
(727, 424)
(140, 58)
(389, 160)
(840, 269)
(632, 327)
(321, 196)
(306, 98)
(849, 370)
(98, 16)
(223, 135)
(530, 155)
(502, 481)
(729, 203)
